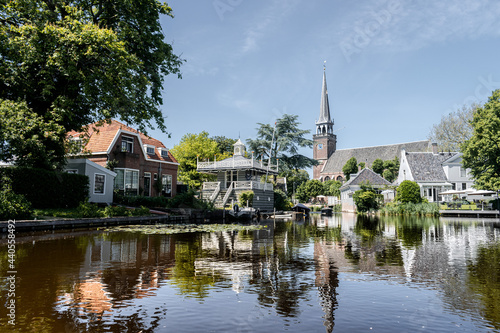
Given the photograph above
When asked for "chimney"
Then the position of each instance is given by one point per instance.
(434, 148)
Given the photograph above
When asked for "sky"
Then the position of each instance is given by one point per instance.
(393, 67)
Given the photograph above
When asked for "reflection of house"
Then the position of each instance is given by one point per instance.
(434, 172)
(354, 183)
(101, 180)
(141, 161)
(238, 174)
(331, 161)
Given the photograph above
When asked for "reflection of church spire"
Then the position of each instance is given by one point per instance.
(327, 282)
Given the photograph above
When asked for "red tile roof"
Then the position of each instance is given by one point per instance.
(100, 138)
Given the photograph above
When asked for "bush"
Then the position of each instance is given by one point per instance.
(138, 200)
(12, 205)
(48, 189)
(87, 209)
(281, 201)
(189, 200)
(246, 197)
(408, 191)
(410, 209)
(366, 199)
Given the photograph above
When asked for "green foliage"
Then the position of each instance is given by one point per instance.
(378, 166)
(224, 145)
(191, 148)
(294, 179)
(281, 201)
(288, 139)
(75, 62)
(350, 167)
(481, 153)
(12, 205)
(410, 209)
(408, 191)
(366, 199)
(48, 189)
(309, 189)
(91, 210)
(137, 200)
(87, 209)
(362, 165)
(189, 200)
(332, 188)
(391, 169)
(246, 197)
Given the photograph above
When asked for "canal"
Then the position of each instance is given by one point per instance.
(329, 274)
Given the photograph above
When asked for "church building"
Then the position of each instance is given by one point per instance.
(331, 161)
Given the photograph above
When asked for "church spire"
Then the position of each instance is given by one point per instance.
(324, 125)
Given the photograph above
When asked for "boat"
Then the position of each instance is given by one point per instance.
(327, 211)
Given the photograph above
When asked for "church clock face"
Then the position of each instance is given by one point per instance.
(320, 146)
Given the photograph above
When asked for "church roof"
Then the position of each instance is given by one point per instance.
(366, 175)
(428, 167)
(324, 114)
(338, 159)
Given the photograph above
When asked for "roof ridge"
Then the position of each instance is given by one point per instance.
(392, 144)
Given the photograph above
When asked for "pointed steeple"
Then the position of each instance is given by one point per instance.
(324, 125)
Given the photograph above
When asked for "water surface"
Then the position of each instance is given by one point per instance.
(340, 273)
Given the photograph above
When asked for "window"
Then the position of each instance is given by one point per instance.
(71, 171)
(164, 153)
(99, 181)
(127, 181)
(166, 181)
(150, 150)
(464, 186)
(463, 172)
(430, 192)
(127, 144)
(453, 186)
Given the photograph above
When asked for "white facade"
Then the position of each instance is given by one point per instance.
(101, 180)
(457, 175)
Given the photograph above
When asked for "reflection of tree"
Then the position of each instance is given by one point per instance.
(484, 280)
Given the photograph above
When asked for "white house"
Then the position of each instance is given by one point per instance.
(101, 180)
(354, 184)
(435, 172)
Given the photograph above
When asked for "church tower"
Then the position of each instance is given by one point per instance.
(325, 142)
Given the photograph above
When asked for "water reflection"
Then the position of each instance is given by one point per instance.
(118, 281)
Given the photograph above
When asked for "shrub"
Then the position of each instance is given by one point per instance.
(281, 201)
(366, 199)
(138, 200)
(246, 197)
(48, 189)
(189, 200)
(408, 191)
(87, 209)
(12, 205)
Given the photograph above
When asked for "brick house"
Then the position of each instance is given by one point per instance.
(139, 161)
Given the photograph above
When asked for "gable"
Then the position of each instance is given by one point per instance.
(427, 167)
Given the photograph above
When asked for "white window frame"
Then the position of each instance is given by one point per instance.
(164, 184)
(103, 185)
(73, 171)
(163, 152)
(150, 150)
(125, 170)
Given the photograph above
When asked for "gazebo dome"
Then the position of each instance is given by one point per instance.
(239, 148)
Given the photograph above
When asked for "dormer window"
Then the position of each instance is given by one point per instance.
(127, 144)
(150, 150)
(164, 153)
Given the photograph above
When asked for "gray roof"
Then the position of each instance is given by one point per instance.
(369, 154)
(366, 175)
(427, 167)
(324, 114)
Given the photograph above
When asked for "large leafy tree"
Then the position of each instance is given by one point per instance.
(453, 129)
(366, 199)
(288, 139)
(481, 153)
(408, 191)
(378, 166)
(310, 189)
(193, 148)
(350, 167)
(75, 62)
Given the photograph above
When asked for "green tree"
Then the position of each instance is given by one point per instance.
(454, 128)
(294, 178)
(332, 188)
(225, 145)
(362, 165)
(378, 166)
(309, 189)
(350, 167)
(391, 169)
(288, 139)
(408, 191)
(481, 153)
(193, 148)
(78, 62)
(366, 198)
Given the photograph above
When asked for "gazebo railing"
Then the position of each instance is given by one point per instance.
(231, 163)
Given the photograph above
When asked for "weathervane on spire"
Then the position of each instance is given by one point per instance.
(324, 65)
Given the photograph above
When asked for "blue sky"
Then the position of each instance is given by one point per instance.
(394, 67)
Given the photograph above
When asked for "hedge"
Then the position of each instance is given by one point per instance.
(48, 189)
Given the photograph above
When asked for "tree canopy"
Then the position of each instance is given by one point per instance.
(408, 191)
(481, 152)
(350, 167)
(288, 139)
(77, 62)
(453, 129)
(366, 199)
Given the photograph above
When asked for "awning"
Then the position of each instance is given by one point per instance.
(481, 192)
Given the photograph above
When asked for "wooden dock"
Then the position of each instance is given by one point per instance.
(470, 213)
